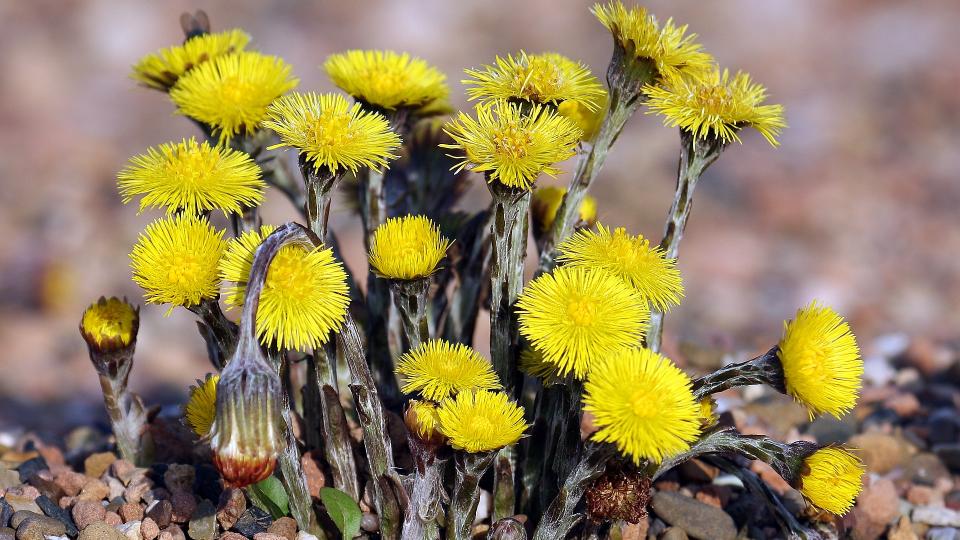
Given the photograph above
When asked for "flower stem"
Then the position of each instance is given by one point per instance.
(410, 297)
(561, 515)
(291, 468)
(466, 493)
(127, 416)
(764, 369)
(218, 332)
(422, 521)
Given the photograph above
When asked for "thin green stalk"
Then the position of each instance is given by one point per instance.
(466, 493)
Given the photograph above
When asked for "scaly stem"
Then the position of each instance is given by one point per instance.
(219, 332)
(291, 468)
(466, 493)
(424, 517)
(764, 369)
(127, 416)
(410, 297)
(561, 515)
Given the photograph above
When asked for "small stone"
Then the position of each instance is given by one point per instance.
(137, 489)
(770, 476)
(87, 512)
(38, 527)
(943, 533)
(53, 510)
(925, 469)
(96, 464)
(6, 533)
(267, 536)
(904, 404)
(115, 486)
(8, 478)
(203, 523)
(285, 527)
(161, 512)
(172, 532)
(131, 530)
(124, 471)
(19, 502)
(70, 482)
(673, 533)
(697, 471)
(32, 466)
(131, 512)
(6, 512)
(902, 530)
(936, 516)
(304, 535)
(84, 440)
(231, 536)
(829, 430)
(369, 522)
(313, 474)
(232, 505)
(697, 519)
(881, 453)
(794, 502)
(113, 518)
(949, 454)
(20, 516)
(149, 529)
(94, 490)
(919, 495)
(951, 500)
(253, 521)
(635, 531)
(25, 491)
(179, 477)
(100, 531)
(876, 507)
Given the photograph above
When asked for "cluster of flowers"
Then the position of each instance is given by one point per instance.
(581, 338)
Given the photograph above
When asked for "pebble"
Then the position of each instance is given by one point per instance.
(87, 512)
(919, 495)
(113, 518)
(160, 512)
(37, 527)
(902, 530)
(124, 471)
(673, 533)
(829, 430)
(18, 502)
(94, 490)
(881, 453)
(232, 505)
(949, 454)
(203, 523)
(100, 530)
(6, 512)
(130, 529)
(253, 521)
(315, 479)
(925, 469)
(937, 516)
(53, 510)
(6, 533)
(285, 527)
(179, 477)
(876, 507)
(97, 464)
(943, 533)
(232, 536)
(304, 535)
(172, 532)
(32, 466)
(184, 505)
(697, 519)
(131, 512)
(149, 529)
(8, 478)
(70, 482)
(137, 489)
(267, 536)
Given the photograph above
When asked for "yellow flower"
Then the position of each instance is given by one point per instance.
(669, 49)
(422, 420)
(717, 106)
(821, 361)
(532, 363)
(231, 93)
(304, 296)
(332, 133)
(201, 409)
(831, 479)
(575, 316)
(586, 119)
(628, 257)
(110, 323)
(407, 247)
(439, 369)
(481, 421)
(708, 413)
(510, 144)
(386, 79)
(161, 70)
(546, 201)
(175, 261)
(548, 78)
(642, 403)
(192, 177)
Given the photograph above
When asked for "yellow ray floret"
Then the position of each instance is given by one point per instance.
(386, 79)
(192, 176)
(717, 106)
(110, 322)
(629, 257)
(546, 201)
(332, 133)
(201, 409)
(821, 361)
(175, 261)
(511, 145)
(481, 421)
(231, 93)
(439, 369)
(642, 403)
(574, 316)
(548, 78)
(407, 247)
(304, 297)
(671, 51)
(587, 120)
(161, 69)
(831, 479)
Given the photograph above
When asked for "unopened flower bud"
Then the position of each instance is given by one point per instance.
(422, 421)
(109, 326)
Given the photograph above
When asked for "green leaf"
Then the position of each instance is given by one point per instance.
(270, 496)
(343, 510)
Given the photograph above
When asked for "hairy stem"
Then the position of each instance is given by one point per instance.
(326, 421)
(219, 333)
(291, 468)
(466, 493)
(561, 516)
(127, 416)
(410, 297)
(764, 369)
(425, 515)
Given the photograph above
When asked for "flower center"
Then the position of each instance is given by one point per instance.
(184, 269)
(622, 251)
(288, 273)
(582, 311)
(234, 90)
(190, 168)
(513, 141)
(538, 79)
(331, 130)
(642, 404)
(714, 99)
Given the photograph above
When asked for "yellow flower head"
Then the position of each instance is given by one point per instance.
(642, 403)
(481, 421)
(201, 409)
(175, 261)
(332, 133)
(192, 176)
(161, 69)
(546, 201)
(511, 145)
(439, 369)
(532, 363)
(231, 93)
(110, 323)
(708, 413)
(670, 50)
(548, 78)
(407, 247)
(304, 296)
(628, 257)
(386, 79)
(821, 362)
(717, 106)
(588, 120)
(423, 421)
(575, 316)
(831, 479)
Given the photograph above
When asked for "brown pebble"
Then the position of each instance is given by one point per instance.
(313, 474)
(70, 482)
(131, 512)
(123, 470)
(137, 489)
(172, 533)
(38, 527)
(67, 502)
(94, 490)
(232, 505)
(86, 512)
(920, 495)
(161, 512)
(231, 536)
(24, 491)
(113, 519)
(97, 464)
(149, 529)
(52, 455)
(179, 477)
(184, 504)
(267, 536)
(285, 527)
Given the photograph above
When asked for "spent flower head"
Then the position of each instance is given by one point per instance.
(546, 201)
(439, 369)
(831, 478)
(201, 408)
(547, 79)
(162, 69)
(407, 247)
(386, 79)
(481, 421)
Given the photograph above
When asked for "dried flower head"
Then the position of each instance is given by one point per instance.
(439, 369)
(161, 69)
(331, 133)
(175, 261)
(512, 145)
(588, 120)
(231, 93)
(201, 408)
(717, 106)
(481, 421)
(575, 316)
(407, 247)
(546, 201)
(422, 420)
(548, 78)
(305, 295)
(642, 403)
(831, 479)
(110, 324)
(192, 176)
(821, 362)
(386, 79)
(619, 495)
(631, 258)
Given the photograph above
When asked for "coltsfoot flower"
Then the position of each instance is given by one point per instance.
(628, 257)
(175, 261)
(642, 403)
(231, 93)
(331, 133)
(831, 479)
(821, 362)
(110, 324)
(588, 120)
(162, 69)
(386, 79)
(481, 421)
(574, 316)
(512, 145)
(422, 420)
(548, 78)
(546, 201)
(201, 408)
(192, 176)
(717, 106)
(407, 247)
(439, 369)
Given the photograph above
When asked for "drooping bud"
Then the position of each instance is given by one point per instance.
(109, 326)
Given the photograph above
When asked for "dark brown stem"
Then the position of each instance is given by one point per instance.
(764, 369)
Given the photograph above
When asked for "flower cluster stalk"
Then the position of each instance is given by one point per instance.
(410, 298)
(425, 515)
(219, 332)
(561, 516)
(466, 493)
(764, 369)
(291, 468)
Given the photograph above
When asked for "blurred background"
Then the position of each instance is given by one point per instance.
(858, 207)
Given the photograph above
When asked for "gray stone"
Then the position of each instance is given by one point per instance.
(6, 512)
(943, 533)
(829, 430)
(18, 502)
(6, 533)
(31, 467)
(130, 529)
(937, 516)
(8, 478)
(253, 521)
(101, 530)
(53, 510)
(203, 523)
(925, 469)
(949, 454)
(674, 533)
(697, 519)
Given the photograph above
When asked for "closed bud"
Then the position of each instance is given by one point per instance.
(109, 326)
(422, 421)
